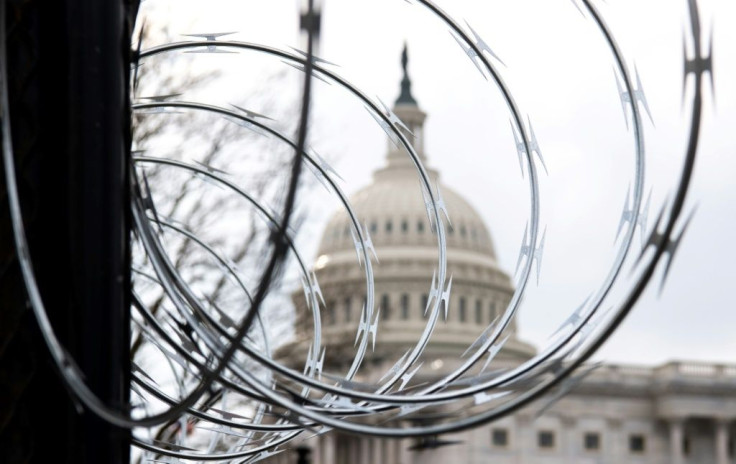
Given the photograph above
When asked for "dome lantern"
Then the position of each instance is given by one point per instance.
(405, 97)
(408, 111)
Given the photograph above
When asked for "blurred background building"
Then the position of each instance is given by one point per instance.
(675, 413)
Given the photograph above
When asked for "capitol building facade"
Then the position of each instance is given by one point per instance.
(676, 413)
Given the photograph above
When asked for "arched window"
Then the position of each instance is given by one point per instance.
(478, 311)
(329, 312)
(461, 310)
(347, 309)
(405, 306)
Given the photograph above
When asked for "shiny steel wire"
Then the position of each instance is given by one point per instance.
(284, 403)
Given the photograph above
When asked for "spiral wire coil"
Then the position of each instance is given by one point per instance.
(218, 364)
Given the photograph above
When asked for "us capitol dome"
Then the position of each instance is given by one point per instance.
(679, 412)
(392, 210)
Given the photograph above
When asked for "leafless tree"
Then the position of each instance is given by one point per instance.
(192, 204)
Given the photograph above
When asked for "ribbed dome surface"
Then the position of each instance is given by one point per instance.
(392, 209)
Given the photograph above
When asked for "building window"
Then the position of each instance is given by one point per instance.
(425, 300)
(405, 306)
(346, 306)
(492, 311)
(461, 310)
(592, 441)
(463, 232)
(478, 312)
(546, 439)
(374, 227)
(637, 443)
(420, 226)
(500, 438)
(384, 306)
(329, 310)
(404, 226)
(389, 226)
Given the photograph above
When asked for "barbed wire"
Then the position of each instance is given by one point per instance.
(222, 395)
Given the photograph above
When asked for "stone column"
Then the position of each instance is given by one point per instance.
(367, 448)
(569, 439)
(405, 456)
(721, 441)
(376, 445)
(676, 438)
(524, 439)
(328, 448)
(614, 445)
(355, 450)
(395, 447)
(316, 443)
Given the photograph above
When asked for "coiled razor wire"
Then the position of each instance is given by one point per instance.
(224, 381)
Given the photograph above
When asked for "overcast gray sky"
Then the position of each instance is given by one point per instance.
(561, 75)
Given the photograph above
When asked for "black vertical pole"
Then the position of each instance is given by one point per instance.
(68, 66)
(97, 125)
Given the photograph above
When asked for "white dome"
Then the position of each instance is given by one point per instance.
(392, 209)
